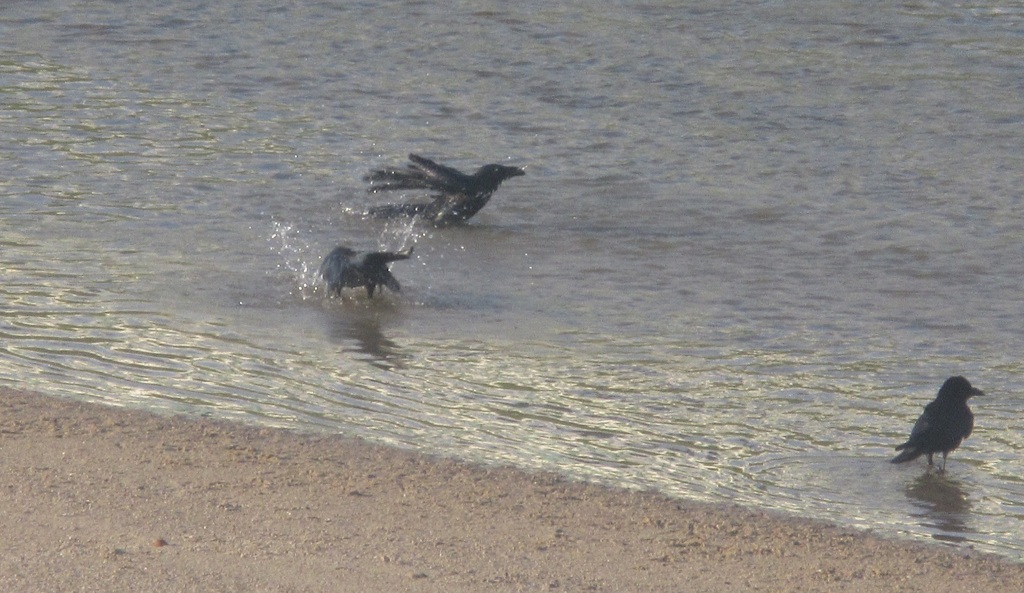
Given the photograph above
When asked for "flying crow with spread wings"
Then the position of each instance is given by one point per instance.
(457, 196)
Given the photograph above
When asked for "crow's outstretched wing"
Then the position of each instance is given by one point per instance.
(443, 177)
(422, 173)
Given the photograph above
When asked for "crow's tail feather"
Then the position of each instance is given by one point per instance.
(908, 454)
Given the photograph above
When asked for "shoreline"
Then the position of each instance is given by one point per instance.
(100, 498)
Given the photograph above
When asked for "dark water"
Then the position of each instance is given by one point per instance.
(752, 241)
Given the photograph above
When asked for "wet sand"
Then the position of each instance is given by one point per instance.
(97, 498)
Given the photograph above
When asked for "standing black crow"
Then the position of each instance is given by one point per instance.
(945, 423)
(458, 198)
(346, 268)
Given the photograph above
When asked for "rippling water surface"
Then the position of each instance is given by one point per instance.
(752, 241)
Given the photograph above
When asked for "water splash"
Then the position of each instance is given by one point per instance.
(294, 247)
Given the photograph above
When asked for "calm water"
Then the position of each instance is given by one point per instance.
(753, 239)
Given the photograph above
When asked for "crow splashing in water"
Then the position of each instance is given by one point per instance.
(347, 268)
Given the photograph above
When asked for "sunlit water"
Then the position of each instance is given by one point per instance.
(752, 241)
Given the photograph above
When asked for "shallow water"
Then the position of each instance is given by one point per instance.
(752, 241)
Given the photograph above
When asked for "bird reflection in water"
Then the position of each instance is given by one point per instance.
(359, 329)
(943, 506)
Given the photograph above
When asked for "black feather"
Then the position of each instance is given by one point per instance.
(457, 198)
(347, 268)
(943, 425)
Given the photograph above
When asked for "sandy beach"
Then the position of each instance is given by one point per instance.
(97, 498)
